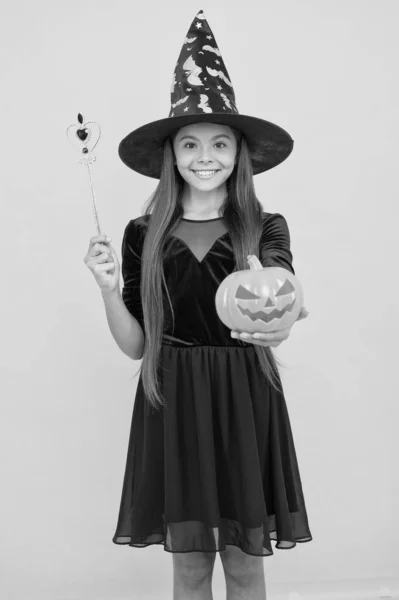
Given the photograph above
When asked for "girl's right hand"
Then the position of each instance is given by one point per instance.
(103, 263)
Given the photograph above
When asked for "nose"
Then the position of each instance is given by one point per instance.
(205, 161)
(204, 158)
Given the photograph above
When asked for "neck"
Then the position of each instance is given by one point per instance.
(203, 204)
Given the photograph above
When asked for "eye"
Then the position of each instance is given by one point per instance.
(192, 144)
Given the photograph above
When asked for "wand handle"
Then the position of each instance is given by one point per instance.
(93, 200)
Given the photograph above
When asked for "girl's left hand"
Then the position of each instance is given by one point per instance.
(273, 338)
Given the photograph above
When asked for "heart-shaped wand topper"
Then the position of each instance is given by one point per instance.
(84, 137)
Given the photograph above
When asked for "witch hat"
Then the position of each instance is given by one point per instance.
(202, 91)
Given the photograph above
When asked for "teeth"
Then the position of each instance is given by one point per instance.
(205, 172)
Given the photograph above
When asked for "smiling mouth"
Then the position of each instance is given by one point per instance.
(205, 173)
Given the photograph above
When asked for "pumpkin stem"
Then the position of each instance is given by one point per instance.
(254, 262)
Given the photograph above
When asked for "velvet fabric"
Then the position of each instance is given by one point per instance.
(217, 466)
(198, 256)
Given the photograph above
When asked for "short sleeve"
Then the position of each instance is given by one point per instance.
(275, 243)
(132, 245)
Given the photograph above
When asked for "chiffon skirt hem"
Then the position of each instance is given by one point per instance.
(198, 544)
(217, 465)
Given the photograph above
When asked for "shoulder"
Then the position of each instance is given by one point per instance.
(137, 226)
(133, 237)
(273, 222)
(138, 222)
(141, 221)
(272, 217)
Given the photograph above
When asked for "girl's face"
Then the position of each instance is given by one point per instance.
(205, 154)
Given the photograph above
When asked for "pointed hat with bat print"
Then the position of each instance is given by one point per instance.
(202, 91)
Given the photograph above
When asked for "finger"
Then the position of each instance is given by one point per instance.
(272, 336)
(241, 335)
(103, 238)
(99, 249)
(265, 339)
(100, 238)
(102, 258)
(98, 267)
(111, 251)
(247, 337)
(303, 314)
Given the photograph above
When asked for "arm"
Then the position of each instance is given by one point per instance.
(124, 311)
(274, 247)
(125, 328)
(274, 251)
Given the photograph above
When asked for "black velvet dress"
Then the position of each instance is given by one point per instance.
(217, 465)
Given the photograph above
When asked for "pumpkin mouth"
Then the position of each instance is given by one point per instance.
(259, 315)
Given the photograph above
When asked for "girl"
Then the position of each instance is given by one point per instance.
(211, 463)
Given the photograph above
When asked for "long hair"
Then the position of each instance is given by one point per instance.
(242, 213)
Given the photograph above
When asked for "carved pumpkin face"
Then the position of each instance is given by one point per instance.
(259, 300)
(253, 305)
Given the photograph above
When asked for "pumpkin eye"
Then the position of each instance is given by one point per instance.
(243, 294)
(286, 288)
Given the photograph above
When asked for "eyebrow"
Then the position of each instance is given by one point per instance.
(197, 140)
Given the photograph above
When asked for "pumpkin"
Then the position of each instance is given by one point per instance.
(259, 299)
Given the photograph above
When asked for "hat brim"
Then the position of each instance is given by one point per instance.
(268, 144)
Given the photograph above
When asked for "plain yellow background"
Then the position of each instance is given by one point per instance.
(326, 71)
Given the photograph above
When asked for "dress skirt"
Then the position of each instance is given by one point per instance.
(217, 465)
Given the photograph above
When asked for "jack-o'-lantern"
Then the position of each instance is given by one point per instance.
(259, 299)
